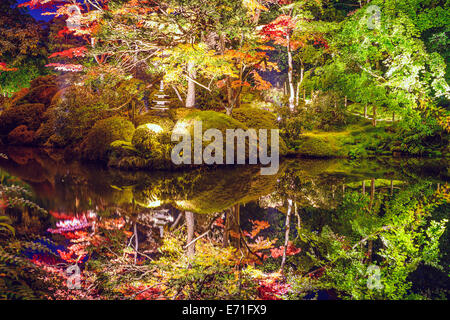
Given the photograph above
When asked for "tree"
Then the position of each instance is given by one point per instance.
(21, 48)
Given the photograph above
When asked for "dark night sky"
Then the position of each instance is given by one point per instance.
(36, 13)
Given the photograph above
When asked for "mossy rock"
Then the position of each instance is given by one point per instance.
(19, 95)
(165, 122)
(25, 114)
(97, 143)
(154, 145)
(21, 136)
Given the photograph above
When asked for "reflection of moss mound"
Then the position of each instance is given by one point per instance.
(154, 146)
(208, 191)
(25, 114)
(97, 143)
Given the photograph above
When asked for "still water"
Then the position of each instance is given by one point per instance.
(222, 205)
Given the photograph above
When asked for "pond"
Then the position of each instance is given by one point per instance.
(310, 204)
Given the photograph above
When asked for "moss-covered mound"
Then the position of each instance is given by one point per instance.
(165, 122)
(179, 113)
(97, 143)
(209, 120)
(260, 119)
(316, 147)
(256, 118)
(25, 114)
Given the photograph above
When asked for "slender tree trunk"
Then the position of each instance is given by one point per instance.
(286, 234)
(393, 117)
(136, 242)
(290, 75)
(365, 111)
(190, 98)
(364, 187)
(374, 119)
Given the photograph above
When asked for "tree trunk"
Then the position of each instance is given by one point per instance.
(286, 234)
(365, 111)
(190, 225)
(190, 98)
(290, 75)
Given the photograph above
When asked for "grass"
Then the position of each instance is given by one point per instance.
(359, 139)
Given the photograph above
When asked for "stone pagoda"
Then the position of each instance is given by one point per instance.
(160, 101)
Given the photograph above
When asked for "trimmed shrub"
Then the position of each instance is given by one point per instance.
(74, 111)
(256, 118)
(97, 143)
(21, 136)
(42, 94)
(25, 114)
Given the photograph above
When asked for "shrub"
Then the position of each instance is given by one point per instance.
(179, 113)
(256, 118)
(315, 147)
(25, 114)
(72, 114)
(21, 136)
(165, 122)
(97, 143)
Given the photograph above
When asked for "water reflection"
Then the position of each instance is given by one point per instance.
(277, 222)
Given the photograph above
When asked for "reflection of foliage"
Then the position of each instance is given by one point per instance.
(397, 237)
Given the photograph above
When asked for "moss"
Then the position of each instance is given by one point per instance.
(42, 94)
(316, 147)
(259, 119)
(21, 136)
(49, 80)
(256, 118)
(165, 122)
(97, 143)
(154, 145)
(25, 114)
(207, 191)
(211, 120)
(179, 113)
